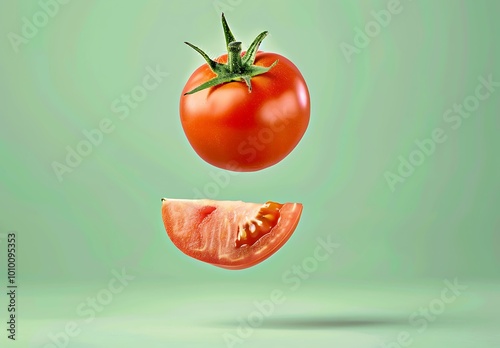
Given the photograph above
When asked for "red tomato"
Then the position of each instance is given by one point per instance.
(229, 234)
(237, 128)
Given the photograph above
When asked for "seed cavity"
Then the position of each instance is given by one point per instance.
(255, 228)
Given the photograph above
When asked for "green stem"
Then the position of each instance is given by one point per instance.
(238, 69)
(234, 57)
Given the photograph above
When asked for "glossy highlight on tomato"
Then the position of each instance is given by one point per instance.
(252, 119)
(229, 234)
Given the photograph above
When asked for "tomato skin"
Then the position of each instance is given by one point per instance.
(234, 129)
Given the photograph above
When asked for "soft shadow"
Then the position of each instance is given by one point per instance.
(318, 323)
(330, 323)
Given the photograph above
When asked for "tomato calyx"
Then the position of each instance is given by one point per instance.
(239, 68)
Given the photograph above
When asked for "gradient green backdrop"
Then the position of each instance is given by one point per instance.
(396, 248)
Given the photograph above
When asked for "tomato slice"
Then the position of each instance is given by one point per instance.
(229, 234)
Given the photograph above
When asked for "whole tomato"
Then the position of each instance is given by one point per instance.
(244, 111)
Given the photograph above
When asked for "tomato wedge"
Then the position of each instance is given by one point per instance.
(229, 234)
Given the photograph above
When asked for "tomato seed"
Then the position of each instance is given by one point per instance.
(251, 231)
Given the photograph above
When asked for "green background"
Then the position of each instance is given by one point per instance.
(396, 246)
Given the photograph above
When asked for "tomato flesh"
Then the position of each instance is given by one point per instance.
(229, 234)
